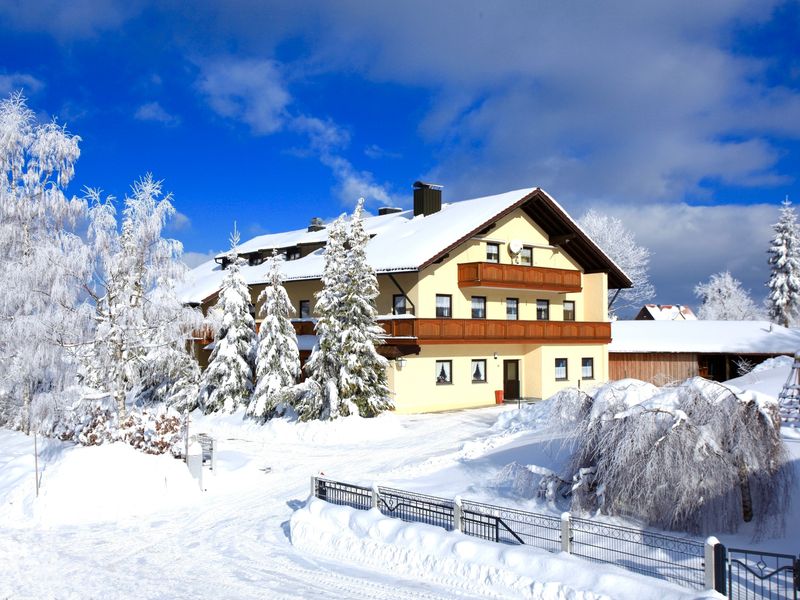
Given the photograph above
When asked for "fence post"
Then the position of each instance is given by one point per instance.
(715, 576)
(458, 513)
(375, 495)
(313, 487)
(566, 533)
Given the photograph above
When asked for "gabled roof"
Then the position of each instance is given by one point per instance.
(666, 312)
(729, 337)
(402, 242)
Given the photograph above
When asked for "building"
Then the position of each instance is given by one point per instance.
(664, 351)
(665, 312)
(503, 293)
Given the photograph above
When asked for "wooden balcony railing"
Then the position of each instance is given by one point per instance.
(479, 331)
(483, 274)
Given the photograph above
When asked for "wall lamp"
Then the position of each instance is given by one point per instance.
(400, 362)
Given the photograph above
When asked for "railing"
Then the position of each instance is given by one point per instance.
(521, 277)
(497, 331)
(477, 331)
(674, 559)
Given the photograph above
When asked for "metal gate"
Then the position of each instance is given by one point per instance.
(755, 575)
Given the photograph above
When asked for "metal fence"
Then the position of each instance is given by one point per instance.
(757, 574)
(674, 559)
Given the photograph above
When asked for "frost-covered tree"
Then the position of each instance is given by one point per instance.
(277, 357)
(141, 328)
(698, 457)
(363, 375)
(784, 260)
(723, 299)
(620, 244)
(350, 372)
(325, 363)
(228, 381)
(43, 260)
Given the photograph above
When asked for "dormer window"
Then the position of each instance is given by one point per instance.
(254, 259)
(292, 253)
(492, 252)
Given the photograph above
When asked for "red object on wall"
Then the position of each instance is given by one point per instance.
(498, 396)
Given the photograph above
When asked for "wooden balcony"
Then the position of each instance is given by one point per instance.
(482, 331)
(518, 277)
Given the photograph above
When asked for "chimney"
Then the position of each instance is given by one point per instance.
(388, 210)
(316, 224)
(427, 198)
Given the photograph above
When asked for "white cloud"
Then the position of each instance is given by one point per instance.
(153, 111)
(12, 82)
(248, 90)
(195, 259)
(70, 20)
(690, 243)
(179, 222)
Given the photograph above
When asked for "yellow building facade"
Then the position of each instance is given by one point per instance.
(509, 306)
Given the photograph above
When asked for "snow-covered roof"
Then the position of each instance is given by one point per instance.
(666, 312)
(403, 242)
(734, 337)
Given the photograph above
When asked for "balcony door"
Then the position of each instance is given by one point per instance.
(511, 379)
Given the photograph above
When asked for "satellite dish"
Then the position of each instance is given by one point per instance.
(514, 247)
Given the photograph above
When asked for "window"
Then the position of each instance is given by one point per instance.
(512, 309)
(479, 307)
(305, 309)
(543, 310)
(444, 306)
(526, 256)
(492, 252)
(587, 368)
(293, 254)
(561, 369)
(478, 370)
(444, 371)
(398, 304)
(569, 310)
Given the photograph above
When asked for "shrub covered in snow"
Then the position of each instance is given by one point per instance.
(696, 457)
(92, 420)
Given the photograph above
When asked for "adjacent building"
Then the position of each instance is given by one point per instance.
(502, 295)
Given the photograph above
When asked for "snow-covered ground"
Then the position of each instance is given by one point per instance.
(111, 522)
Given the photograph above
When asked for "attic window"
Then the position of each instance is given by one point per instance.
(292, 253)
(255, 259)
(492, 252)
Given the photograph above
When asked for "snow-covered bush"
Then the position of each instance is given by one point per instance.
(152, 432)
(697, 457)
(724, 299)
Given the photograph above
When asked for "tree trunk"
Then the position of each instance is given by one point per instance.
(747, 498)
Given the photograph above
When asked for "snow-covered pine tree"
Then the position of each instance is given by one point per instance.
(228, 380)
(277, 357)
(724, 299)
(325, 363)
(141, 326)
(784, 260)
(43, 263)
(362, 380)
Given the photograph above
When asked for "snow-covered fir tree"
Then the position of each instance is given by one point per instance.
(277, 357)
(43, 262)
(784, 260)
(228, 380)
(724, 299)
(620, 244)
(363, 375)
(325, 363)
(141, 328)
(345, 364)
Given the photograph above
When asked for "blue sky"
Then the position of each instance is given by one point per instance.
(681, 118)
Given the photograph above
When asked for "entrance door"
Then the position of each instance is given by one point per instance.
(511, 379)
